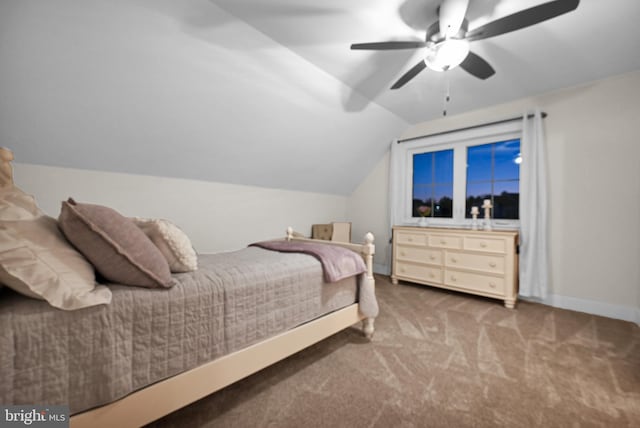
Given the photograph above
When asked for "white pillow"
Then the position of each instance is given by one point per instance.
(37, 261)
(172, 242)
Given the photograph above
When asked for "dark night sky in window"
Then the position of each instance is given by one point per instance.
(433, 171)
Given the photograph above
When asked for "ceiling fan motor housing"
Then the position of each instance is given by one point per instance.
(433, 32)
(443, 53)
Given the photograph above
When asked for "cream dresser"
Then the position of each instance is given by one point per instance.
(472, 261)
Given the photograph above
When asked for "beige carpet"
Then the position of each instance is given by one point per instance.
(442, 359)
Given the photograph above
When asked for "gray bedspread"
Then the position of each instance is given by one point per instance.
(92, 356)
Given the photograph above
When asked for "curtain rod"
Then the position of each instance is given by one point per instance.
(497, 122)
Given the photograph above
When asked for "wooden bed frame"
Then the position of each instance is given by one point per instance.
(160, 399)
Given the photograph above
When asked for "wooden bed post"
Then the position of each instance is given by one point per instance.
(368, 252)
(6, 173)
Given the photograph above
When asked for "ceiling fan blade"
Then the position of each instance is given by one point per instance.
(451, 15)
(523, 19)
(475, 65)
(409, 75)
(389, 45)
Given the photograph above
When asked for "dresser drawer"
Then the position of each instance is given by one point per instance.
(419, 272)
(489, 245)
(445, 241)
(476, 282)
(418, 254)
(408, 238)
(480, 262)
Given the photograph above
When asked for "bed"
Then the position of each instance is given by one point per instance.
(152, 351)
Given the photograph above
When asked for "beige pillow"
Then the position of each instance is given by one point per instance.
(115, 246)
(17, 205)
(37, 261)
(172, 242)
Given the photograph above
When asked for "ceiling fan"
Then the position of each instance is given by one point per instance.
(447, 40)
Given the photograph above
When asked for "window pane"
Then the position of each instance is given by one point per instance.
(433, 184)
(476, 194)
(443, 203)
(507, 158)
(493, 172)
(506, 200)
(511, 186)
(422, 192)
(422, 208)
(444, 166)
(479, 162)
(422, 168)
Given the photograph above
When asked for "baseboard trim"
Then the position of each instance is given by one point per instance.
(609, 310)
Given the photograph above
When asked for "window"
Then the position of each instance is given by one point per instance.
(433, 184)
(493, 172)
(441, 177)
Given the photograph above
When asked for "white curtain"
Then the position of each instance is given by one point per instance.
(396, 184)
(534, 266)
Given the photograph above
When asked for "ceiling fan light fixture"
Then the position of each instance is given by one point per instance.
(447, 54)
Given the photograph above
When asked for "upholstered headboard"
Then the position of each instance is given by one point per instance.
(6, 173)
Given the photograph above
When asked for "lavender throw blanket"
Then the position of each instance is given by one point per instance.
(337, 262)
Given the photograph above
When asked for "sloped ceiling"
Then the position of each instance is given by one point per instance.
(598, 39)
(177, 89)
(264, 92)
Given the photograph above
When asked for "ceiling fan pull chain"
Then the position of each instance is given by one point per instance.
(447, 95)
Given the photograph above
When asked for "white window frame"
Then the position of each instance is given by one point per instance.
(458, 141)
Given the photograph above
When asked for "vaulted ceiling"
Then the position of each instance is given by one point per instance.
(264, 92)
(598, 39)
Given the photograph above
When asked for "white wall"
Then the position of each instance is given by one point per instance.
(594, 184)
(216, 216)
(177, 89)
(368, 210)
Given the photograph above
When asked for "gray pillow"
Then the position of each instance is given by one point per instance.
(116, 247)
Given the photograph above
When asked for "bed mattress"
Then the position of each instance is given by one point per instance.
(90, 357)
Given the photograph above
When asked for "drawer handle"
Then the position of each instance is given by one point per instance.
(402, 270)
(454, 260)
(402, 253)
(483, 244)
(432, 257)
(431, 275)
(410, 239)
(492, 264)
(492, 284)
(443, 242)
(453, 278)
